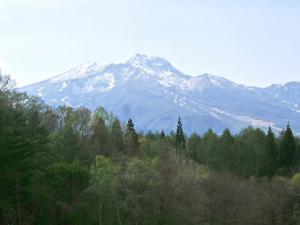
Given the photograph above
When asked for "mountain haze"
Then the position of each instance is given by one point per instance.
(152, 92)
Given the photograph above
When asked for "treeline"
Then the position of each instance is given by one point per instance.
(72, 166)
(249, 153)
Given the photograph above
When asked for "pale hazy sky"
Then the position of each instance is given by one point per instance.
(253, 42)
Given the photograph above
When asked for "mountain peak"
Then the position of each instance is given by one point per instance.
(151, 64)
(210, 79)
(139, 59)
(80, 71)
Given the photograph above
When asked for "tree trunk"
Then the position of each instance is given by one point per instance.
(118, 214)
(18, 206)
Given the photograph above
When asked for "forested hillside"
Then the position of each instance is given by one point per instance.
(67, 166)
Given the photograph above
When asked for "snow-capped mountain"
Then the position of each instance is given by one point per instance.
(154, 93)
(288, 94)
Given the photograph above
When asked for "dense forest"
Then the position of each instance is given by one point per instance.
(68, 166)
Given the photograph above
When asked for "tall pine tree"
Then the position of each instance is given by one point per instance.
(131, 138)
(162, 134)
(117, 137)
(180, 139)
(287, 149)
(271, 157)
(226, 152)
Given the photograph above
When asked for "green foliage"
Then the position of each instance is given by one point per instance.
(250, 152)
(287, 149)
(271, 156)
(226, 152)
(116, 138)
(210, 150)
(100, 136)
(67, 179)
(195, 148)
(6, 87)
(103, 191)
(296, 203)
(162, 134)
(180, 139)
(296, 183)
(142, 190)
(101, 113)
(131, 138)
(71, 166)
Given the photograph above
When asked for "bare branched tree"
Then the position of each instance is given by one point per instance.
(6, 85)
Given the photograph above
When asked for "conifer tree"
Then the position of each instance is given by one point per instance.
(162, 134)
(287, 149)
(131, 138)
(270, 164)
(100, 135)
(117, 137)
(210, 150)
(67, 137)
(180, 139)
(194, 149)
(225, 153)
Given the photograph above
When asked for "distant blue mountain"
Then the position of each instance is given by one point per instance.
(154, 93)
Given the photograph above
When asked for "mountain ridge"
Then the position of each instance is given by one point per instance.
(154, 93)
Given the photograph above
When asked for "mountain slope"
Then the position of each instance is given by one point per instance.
(154, 93)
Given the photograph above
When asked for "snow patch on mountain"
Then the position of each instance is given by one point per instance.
(100, 84)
